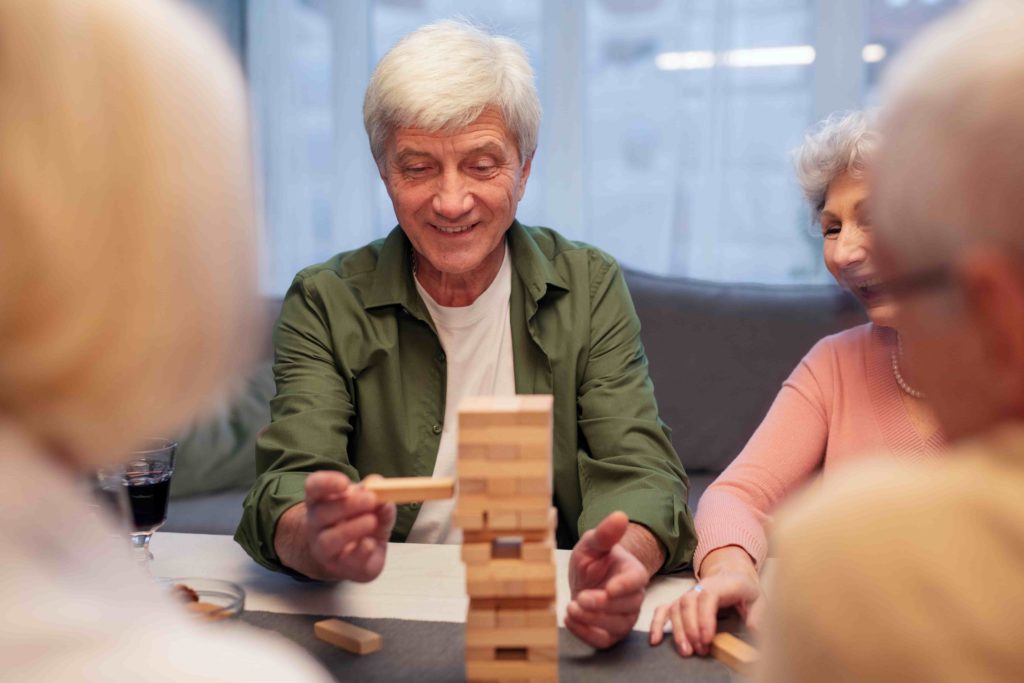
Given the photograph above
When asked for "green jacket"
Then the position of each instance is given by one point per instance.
(361, 388)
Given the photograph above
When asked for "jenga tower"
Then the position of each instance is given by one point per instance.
(504, 509)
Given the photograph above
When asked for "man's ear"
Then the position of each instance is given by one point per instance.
(993, 287)
(523, 177)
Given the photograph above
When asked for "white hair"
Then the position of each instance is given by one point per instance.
(840, 144)
(952, 172)
(442, 77)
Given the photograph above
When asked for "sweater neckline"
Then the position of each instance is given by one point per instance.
(898, 430)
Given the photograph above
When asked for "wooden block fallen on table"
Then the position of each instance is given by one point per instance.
(733, 652)
(411, 489)
(348, 636)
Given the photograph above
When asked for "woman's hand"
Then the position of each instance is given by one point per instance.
(728, 579)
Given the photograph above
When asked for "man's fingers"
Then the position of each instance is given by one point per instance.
(333, 540)
(591, 635)
(329, 512)
(630, 580)
(609, 532)
(596, 599)
(386, 515)
(325, 485)
(612, 623)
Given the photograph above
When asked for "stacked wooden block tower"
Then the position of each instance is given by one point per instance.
(504, 509)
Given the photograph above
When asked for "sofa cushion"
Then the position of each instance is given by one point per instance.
(719, 353)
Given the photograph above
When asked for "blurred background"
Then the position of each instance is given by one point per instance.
(666, 130)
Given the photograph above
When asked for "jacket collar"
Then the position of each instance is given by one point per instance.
(393, 284)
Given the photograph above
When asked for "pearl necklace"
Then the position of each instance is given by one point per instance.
(903, 384)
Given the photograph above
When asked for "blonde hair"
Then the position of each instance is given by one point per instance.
(442, 77)
(842, 143)
(126, 241)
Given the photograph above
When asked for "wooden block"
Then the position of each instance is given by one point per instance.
(536, 505)
(479, 654)
(509, 570)
(521, 636)
(534, 486)
(487, 535)
(540, 588)
(503, 452)
(502, 520)
(348, 636)
(481, 618)
(472, 486)
(535, 519)
(503, 487)
(511, 670)
(411, 489)
(544, 616)
(542, 551)
(468, 520)
(510, 617)
(490, 469)
(733, 652)
(476, 553)
(542, 654)
(502, 435)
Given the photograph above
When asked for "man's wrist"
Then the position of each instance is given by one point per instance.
(644, 546)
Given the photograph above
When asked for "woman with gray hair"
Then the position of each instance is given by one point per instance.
(376, 348)
(852, 395)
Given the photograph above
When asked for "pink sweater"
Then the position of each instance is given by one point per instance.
(841, 403)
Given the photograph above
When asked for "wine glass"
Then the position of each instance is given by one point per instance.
(147, 479)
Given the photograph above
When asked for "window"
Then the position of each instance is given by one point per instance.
(666, 132)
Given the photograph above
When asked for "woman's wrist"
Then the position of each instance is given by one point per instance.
(730, 559)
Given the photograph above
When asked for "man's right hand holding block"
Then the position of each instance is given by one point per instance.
(341, 529)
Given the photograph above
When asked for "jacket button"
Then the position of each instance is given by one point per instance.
(436, 429)
(441, 356)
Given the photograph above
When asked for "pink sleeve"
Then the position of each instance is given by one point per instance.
(785, 450)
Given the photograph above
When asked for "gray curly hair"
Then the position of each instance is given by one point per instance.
(842, 143)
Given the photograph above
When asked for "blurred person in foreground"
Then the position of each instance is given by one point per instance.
(375, 349)
(853, 395)
(899, 573)
(126, 286)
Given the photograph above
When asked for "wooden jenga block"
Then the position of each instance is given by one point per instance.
(534, 486)
(481, 618)
(502, 487)
(540, 588)
(347, 636)
(499, 435)
(530, 410)
(536, 505)
(733, 652)
(411, 489)
(499, 670)
(503, 452)
(479, 654)
(542, 616)
(491, 469)
(518, 636)
(535, 519)
(502, 520)
(472, 486)
(510, 617)
(476, 553)
(542, 551)
(542, 654)
(468, 520)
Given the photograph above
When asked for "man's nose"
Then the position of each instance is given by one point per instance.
(452, 198)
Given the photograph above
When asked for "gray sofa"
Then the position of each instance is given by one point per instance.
(718, 354)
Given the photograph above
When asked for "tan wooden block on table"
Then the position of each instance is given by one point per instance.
(476, 553)
(514, 502)
(468, 520)
(469, 487)
(348, 636)
(411, 489)
(736, 654)
(510, 617)
(502, 520)
(521, 436)
(502, 469)
(507, 487)
(535, 518)
(481, 618)
(529, 486)
(544, 616)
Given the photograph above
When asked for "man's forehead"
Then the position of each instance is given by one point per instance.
(487, 133)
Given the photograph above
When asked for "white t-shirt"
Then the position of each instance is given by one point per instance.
(76, 607)
(477, 342)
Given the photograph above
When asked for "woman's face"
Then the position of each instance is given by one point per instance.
(848, 243)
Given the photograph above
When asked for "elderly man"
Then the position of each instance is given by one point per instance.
(376, 347)
(915, 572)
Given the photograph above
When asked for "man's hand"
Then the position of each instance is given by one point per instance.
(339, 532)
(607, 583)
(728, 579)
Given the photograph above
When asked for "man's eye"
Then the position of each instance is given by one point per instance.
(416, 170)
(483, 168)
(831, 231)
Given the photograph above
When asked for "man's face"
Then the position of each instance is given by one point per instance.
(455, 193)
